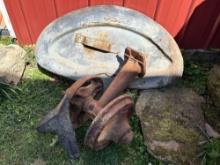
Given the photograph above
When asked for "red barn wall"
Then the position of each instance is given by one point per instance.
(193, 23)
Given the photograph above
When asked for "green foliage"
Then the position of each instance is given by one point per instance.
(29, 58)
(133, 93)
(6, 40)
(6, 91)
(195, 76)
(211, 155)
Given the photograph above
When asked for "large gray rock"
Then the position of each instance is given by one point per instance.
(12, 63)
(172, 123)
(214, 85)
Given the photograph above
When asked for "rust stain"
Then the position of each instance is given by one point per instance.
(98, 43)
(93, 44)
(103, 36)
(90, 53)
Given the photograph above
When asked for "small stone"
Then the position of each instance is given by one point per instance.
(12, 63)
(172, 124)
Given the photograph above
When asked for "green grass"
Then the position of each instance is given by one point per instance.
(195, 76)
(6, 90)
(38, 93)
(211, 155)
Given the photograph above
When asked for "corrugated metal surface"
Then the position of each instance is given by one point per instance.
(193, 23)
(18, 21)
(65, 6)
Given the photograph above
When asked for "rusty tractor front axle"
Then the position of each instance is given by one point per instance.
(110, 113)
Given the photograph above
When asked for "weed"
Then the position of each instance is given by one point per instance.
(6, 90)
(6, 40)
(211, 155)
(195, 76)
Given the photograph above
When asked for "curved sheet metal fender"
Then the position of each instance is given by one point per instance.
(92, 41)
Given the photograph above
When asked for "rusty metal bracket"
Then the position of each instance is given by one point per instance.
(93, 43)
(58, 121)
(66, 116)
(110, 112)
(111, 124)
